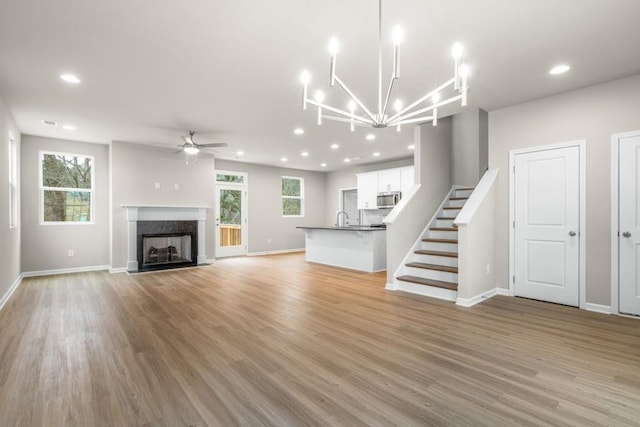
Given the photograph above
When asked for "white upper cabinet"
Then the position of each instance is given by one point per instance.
(367, 190)
(372, 183)
(388, 180)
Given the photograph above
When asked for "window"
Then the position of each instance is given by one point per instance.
(66, 188)
(231, 177)
(13, 183)
(292, 196)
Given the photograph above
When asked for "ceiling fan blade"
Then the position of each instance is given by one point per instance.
(214, 144)
(187, 139)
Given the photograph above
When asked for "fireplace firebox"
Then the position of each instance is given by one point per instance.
(166, 244)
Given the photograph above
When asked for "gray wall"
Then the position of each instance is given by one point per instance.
(44, 247)
(433, 171)
(592, 114)
(265, 205)
(10, 237)
(469, 146)
(347, 179)
(136, 169)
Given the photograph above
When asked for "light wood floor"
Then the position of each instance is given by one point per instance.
(276, 341)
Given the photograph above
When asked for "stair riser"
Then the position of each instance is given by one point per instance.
(449, 213)
(443, 276)
(432, 259)
(456, 203)
(443, 247)
(453, 235)
(462, 193)
(429, 291)
(444, 222)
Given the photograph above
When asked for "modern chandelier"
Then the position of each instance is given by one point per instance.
(456, 87)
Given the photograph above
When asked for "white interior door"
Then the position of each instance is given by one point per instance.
(231, 220)
(629, 225)
(547, 225)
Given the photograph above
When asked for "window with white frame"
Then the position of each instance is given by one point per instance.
(292, 196)
(66, 188)
(13, 182)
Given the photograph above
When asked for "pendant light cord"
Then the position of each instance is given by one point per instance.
(380, 58)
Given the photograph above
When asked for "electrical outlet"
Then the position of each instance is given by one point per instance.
(176, 186)
(157, 185)
(488, 268)
(70, 252)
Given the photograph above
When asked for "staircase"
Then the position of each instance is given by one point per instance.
(431, 268)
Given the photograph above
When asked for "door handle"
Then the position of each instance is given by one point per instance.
(626, 234)
(572, 233)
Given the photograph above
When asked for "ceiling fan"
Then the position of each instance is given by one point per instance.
(191, 147)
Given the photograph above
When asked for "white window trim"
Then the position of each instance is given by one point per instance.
(14, 187)
(301, 197)
(42, 189)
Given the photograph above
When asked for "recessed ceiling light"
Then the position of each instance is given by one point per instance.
(284, 159)
(240, 153)
(334, 146)
(370, 137)
(347, 160)
(323, 165)
(69, 127)
(559, 69)
(70, 78)
(298, 131)
(411, 147)
(305, 154)
(376, 154)
(50, 122)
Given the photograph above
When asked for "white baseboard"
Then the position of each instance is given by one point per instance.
(283, 251)
(10, 292)
(503, 291)
(598, 308)
(117, 270)
(66, 270)
(391, 287)
(211, 261)
(469, 302)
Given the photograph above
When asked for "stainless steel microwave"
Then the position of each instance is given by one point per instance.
(388, 199)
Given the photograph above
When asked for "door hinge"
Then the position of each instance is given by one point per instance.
(513, 279)
(514, 224)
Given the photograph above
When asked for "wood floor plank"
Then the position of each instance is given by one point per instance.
(277, 341)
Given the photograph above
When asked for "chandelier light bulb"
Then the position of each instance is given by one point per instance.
(305, 77)
(397, 35)
(464, 71)
(319, 96)
(333, 46)
(457, 50)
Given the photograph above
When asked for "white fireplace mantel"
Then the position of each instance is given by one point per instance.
(137, 213)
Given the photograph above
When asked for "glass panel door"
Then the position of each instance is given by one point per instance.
(230, 220)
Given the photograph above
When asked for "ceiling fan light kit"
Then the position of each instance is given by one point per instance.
(456, 87)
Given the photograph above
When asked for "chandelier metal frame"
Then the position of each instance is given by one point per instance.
(403, 115)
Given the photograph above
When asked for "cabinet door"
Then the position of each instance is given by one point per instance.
(367, 190)
(389, 180)
(407, 178)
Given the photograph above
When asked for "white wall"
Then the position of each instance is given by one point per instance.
(45, 247)
(266, 222)
(592, 114)
(469, 146)
(136, 169)
(10, 237)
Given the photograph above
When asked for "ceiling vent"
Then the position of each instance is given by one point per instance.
(49, 123)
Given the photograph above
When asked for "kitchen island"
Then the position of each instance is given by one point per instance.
(358, 247)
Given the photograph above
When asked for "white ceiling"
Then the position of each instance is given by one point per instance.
(152, 69)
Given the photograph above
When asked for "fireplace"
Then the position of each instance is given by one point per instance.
(166, 244)
(162, 237)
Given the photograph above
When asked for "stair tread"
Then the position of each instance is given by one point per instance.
(436, 253)
(429, 282)
(430, 239)
(443, 229)
(435, 267)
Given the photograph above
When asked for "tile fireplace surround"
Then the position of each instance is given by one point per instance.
(137, 213)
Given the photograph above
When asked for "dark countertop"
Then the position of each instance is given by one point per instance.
(358, 228)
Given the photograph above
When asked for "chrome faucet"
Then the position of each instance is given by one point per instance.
(346, 216)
